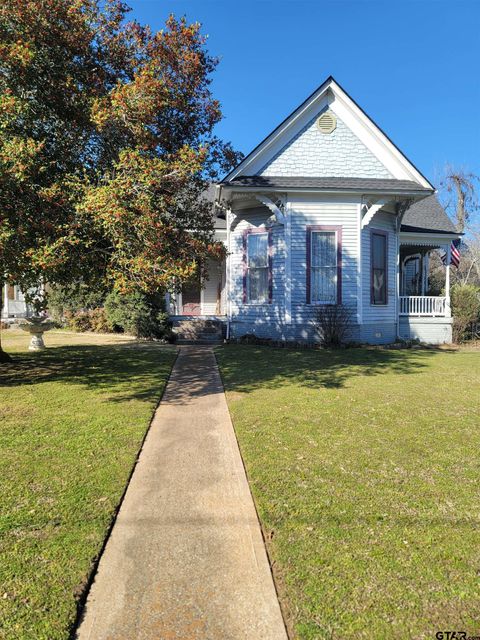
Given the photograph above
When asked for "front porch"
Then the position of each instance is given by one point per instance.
(198, 310)
(424, 306)
(424, 311)
(201, 299)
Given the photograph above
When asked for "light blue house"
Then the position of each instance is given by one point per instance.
(326, 210)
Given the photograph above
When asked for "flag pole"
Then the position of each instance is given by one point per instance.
(447, 280)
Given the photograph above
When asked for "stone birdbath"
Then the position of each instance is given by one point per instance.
(36, 327)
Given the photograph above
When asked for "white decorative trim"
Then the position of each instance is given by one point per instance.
(273, 206)
(371, 208)
(426, 239)
(359, 267)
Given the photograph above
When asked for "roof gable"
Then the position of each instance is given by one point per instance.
(388, 159)
(314, 154)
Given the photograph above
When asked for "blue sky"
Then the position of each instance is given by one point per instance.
(412, 65)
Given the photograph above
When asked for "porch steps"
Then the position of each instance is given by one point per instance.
(198, 331)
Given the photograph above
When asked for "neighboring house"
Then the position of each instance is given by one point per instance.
(326, 210)
(13, 303)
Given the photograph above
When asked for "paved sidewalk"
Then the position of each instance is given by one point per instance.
(186, 557)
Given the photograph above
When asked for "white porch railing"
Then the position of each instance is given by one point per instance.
(423, 306)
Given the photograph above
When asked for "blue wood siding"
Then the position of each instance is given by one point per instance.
(268, 320)
(264, 318)
(372, 313)
(306, 211)
(378, 322)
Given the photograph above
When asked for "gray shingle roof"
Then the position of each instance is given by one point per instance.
(427, 215)
(340, 184)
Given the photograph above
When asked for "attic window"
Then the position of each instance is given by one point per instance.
(327, 122)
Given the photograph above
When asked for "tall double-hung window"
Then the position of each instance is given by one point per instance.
(378, 267)
(257, 276)
(324, 265)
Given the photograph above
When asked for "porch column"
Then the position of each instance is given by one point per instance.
(448, 312)
(230, 217)
(398, 283)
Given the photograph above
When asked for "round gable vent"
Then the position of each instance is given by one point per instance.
(327, 122)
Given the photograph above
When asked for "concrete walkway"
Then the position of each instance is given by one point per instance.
(186, 557)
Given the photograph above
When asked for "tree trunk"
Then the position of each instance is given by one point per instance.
(4, 357)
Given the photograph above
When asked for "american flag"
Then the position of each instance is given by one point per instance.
(454, 256)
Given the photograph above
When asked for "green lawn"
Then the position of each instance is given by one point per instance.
(364, 465)
(72, 420)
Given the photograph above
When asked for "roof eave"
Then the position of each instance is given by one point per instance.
(409, 229)
(430, 233)
(354, 190)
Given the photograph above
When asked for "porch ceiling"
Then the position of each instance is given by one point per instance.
(424, 240)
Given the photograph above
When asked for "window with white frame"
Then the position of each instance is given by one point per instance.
(324, 267)
(257, 276)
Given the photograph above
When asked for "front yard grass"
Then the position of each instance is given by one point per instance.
(72, 421)
(364, 465)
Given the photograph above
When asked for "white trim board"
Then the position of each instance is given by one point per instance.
(421, 239)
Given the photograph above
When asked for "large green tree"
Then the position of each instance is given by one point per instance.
(106, 145)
